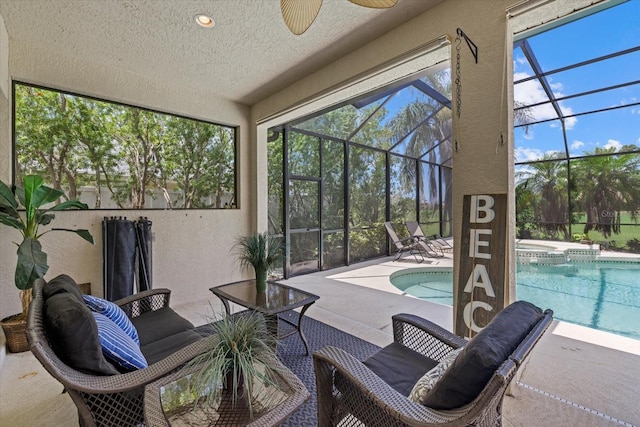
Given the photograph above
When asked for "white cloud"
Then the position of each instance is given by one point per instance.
(531, 92)
(523, 154)
(576, 144)
(556, 87)
(612, 143)
(527, 154)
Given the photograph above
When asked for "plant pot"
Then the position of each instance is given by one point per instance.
(228, 382)
(15, 331)
(262, 300)
(261, 281)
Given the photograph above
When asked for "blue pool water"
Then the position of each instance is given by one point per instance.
(603, 295)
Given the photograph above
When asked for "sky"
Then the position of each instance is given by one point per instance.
(606, 32)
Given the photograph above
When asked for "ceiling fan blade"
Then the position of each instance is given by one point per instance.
(299, 14)
(375, 4)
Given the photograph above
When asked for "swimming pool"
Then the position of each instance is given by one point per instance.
(599, 295)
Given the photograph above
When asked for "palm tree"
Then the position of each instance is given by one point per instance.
(425, 124)
(609, 185)
(547, 180)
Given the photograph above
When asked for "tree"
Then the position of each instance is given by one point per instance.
(274, 182)
(609, 185)
(198, 158)
(543, 186)
(424, 125)
(75, 141)
(96, 145)
(47, 124)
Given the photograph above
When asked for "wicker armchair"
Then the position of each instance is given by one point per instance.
(350, 394)
(111, 400)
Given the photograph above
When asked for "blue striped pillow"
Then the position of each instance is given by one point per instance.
(113, 312)
(117, 346)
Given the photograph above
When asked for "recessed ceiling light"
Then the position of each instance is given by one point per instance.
(205, 21)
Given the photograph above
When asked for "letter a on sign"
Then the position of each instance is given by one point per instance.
(481, 282)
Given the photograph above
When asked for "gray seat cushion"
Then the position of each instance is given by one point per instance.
(156, 325)
(166, 346)
(483, 355)
(399, 366)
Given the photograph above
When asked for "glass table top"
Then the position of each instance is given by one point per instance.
(277, 298)
(177, 400)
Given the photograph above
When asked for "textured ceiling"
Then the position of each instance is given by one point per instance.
(249, 55)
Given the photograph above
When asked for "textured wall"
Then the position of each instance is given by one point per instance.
(4, 59)
(191, 248)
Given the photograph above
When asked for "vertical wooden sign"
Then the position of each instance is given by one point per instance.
(481, 282)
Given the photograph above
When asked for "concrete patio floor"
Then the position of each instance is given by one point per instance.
(575, 376)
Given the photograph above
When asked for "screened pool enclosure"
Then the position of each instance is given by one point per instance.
(335, 177)
(577, 133)
(340, 174)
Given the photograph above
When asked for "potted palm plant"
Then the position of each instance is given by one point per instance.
(32, 260)
(261, 251)
(240, 366)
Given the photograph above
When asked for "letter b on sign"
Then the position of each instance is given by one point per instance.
(482, 209)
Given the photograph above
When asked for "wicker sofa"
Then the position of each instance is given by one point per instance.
(470, 392)
(103, 394)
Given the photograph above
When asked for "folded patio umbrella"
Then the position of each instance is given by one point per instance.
(119, 257)
(143, 243)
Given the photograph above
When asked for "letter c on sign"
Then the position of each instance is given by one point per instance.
(467, 314)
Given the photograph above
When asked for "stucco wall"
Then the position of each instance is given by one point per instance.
(191, 247)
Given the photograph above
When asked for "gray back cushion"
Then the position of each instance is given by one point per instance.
(73, 334)
(483, 355)
(62, 284)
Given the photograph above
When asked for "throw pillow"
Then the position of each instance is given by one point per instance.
(425, 384)
(117, 346)
(73, 335)
(113, 312)
(62, 284)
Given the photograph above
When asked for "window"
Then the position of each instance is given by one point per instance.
(114, 156)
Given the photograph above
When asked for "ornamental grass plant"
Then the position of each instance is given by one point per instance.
(261, 251)
(239, 363)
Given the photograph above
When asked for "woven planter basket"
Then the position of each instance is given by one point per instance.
(85, 288)
(15, 331)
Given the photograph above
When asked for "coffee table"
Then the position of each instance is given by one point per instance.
(278, 298)
(169, 402)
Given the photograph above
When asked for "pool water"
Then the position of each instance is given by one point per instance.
(602, 295)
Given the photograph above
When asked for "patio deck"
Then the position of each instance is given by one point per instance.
(575, 377)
